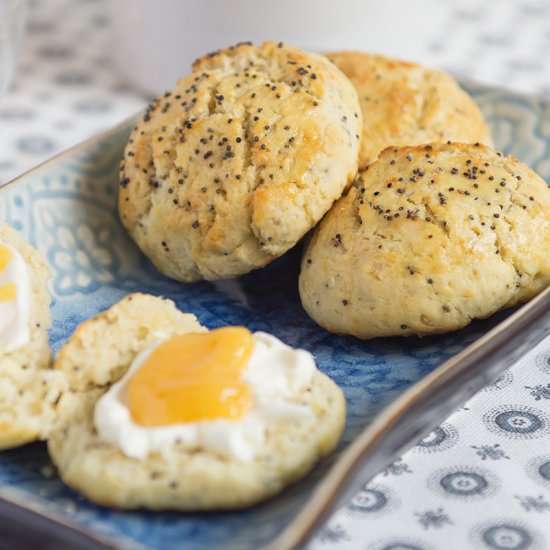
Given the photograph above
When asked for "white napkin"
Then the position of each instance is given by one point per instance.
(480, 480)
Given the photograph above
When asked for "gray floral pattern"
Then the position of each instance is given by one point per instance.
(490, 452)
(433, 518)
(534, 503)
(540, 391)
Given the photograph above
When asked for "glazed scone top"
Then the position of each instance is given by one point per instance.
(407, 104)
(428, 238)
(239, 161)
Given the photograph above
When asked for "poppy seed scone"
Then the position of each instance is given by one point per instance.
(183, 474)
(407, 104)
(427, 239)
(231, 168)
(30, 390)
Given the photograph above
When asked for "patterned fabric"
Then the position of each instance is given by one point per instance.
(499, 42)
(65, 88)
(481, 479)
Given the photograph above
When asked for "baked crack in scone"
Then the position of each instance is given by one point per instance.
(165, 415)
(231, 168)
(30, 390)
(427, 239)
(407, 104)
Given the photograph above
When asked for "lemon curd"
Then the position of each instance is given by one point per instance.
(15, 299)
(9, 291)
(193, 377)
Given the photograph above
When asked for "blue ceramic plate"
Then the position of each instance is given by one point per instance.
(67, 209)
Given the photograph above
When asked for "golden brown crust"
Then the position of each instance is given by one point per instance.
(181, 479)
(427, 239)
(407, 104)
(230, 169)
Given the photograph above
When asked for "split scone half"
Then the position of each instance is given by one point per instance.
(231, 168)
(407, 104)
(427, 239)
(166, 415)
(30, 390)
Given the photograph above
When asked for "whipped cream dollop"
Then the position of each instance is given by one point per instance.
(15, 299)
(277, 375)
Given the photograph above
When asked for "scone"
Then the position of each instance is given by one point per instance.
(231, 168)
(407, 104)
(165, 415)
(30, 390)
(427, 239)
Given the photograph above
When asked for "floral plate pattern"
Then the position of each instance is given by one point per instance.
(67, 209)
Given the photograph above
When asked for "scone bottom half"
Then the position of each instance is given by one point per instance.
(243, 157)
(427, 239)
(202, 466)
(29, 388)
